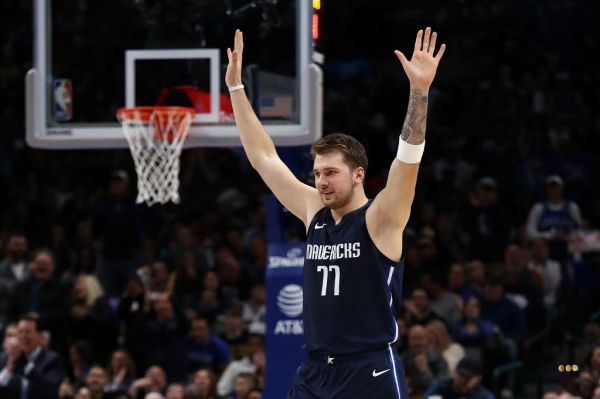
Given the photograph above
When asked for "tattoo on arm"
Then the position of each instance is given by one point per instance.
(413, 131)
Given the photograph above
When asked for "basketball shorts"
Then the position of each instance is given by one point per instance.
(373, 375)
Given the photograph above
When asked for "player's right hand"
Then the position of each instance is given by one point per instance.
(233, 76)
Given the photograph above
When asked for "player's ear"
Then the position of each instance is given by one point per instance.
(359, 174)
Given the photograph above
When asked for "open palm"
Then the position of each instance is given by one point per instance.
(233, 76)
(423, 64)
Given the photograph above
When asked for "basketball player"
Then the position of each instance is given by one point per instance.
(354, 244)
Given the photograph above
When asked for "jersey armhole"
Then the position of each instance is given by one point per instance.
(313, 220)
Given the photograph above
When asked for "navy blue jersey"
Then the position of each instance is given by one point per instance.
(348, 284)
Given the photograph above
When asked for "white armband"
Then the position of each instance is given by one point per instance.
(235, 88)
(410, 153)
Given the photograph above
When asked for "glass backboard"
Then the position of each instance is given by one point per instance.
(91, 58)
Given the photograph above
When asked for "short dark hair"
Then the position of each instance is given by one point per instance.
(33, 317)
(353, 151)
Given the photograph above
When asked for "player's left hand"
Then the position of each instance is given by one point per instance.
(423, 64)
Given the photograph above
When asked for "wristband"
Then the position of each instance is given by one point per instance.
(235, 88)
(410, 153)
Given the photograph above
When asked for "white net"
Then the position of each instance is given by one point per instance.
(156, 136)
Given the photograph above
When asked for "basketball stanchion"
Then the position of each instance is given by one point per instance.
(156, 135)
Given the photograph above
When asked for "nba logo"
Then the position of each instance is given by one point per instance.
(63, 99)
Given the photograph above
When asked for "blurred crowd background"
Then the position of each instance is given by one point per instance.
(103, 298)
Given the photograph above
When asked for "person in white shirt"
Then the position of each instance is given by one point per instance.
(441, 342)
(547, 268)
(554, 219)
(253, 363)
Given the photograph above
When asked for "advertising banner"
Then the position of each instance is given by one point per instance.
(285, 332)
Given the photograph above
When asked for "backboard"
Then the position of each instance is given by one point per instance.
(91, 58)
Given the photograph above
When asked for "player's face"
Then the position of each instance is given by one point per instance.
(335, 180)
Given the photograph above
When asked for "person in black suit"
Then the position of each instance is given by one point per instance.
(46, 296)
(29, 371)
(13, 269)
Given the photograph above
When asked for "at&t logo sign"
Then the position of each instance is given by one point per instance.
(289, 302)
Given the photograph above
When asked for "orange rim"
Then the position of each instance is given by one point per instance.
(144, 113)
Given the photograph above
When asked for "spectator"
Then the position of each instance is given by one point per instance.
(257, 252)
(457, 282)
(253, 363)
(206, 350)
(504, 313)
(418, 309)
(254, 311)
(60, 249)
(165, 330)
(29, 371)
(83, 393)
(442, 302)
(441, 342)
(118, 227)
(208, 307)
(155, 380)
(43, 294)
(10, 334)
(485, 223)
(421, 365)
(96, 381)
(121, 371)
(472, 330)
(205, 381)
(254, 393)
(591, 371)
(159, 276)
(464, 383)
(476, 276)
(134, 304)
(13, 268)
(80, 361)
(183, 241)
(547, 268)
(191, 392)
(233, 279)
(555, 218)
(91, 318)
(234, 334)
(186, 280)
(213, 299)
(523, 285)
(175, 391)
(244, 383)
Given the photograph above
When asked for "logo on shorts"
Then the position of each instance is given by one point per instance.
(378, 373)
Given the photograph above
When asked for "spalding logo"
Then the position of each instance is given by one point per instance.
(289, 300)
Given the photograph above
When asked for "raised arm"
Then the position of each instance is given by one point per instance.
(300, 199)
(391, 208)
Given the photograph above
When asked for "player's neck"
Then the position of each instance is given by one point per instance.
(358, 200)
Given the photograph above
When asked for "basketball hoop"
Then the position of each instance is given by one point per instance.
(156, 135)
